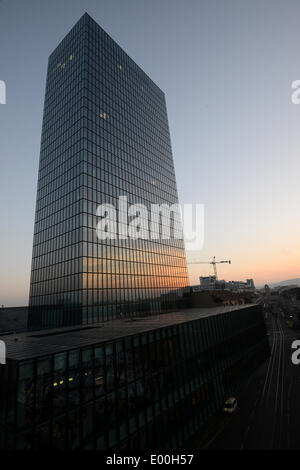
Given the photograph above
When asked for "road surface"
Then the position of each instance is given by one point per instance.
(269, 408)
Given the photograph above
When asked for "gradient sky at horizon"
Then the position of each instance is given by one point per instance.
(226, 68)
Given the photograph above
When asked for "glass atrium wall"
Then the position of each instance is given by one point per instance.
(149, 390)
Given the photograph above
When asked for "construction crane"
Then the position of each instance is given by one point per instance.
(213, 262)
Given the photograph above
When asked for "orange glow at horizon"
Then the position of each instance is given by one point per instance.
(262, 270)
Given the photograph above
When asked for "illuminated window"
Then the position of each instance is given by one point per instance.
(71, 57)
(103, 115)
(120, 67)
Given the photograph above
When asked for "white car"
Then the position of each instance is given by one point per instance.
(230, 405)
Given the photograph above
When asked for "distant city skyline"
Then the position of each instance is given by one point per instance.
(227, 70)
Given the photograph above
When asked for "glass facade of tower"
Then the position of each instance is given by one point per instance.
(105, 135)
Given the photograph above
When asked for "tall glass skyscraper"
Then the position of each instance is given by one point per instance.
(105, 134)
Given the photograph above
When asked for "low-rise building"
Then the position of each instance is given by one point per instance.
(144, 383)
(212, 283)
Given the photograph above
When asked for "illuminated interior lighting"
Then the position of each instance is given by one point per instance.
(103, 115)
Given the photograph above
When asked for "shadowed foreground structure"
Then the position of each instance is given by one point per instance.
(149, 383)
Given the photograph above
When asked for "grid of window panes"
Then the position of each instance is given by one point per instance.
(150, 390)
(56, 275)
(105, 135)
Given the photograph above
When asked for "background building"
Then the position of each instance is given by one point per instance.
(105, 134)
(212, 283)
(13, 319)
